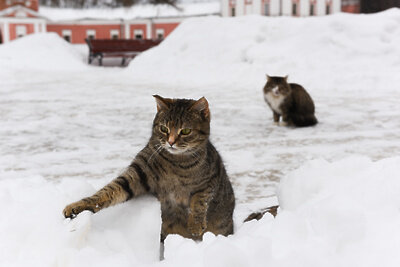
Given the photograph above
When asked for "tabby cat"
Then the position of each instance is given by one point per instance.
(289, 100)
(180, 167)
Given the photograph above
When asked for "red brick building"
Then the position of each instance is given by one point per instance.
(21, 17)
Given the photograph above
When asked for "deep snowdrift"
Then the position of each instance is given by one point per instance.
(239, 51)
(345, 213)
(40, 52)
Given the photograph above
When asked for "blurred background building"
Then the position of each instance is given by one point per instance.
(147, 21)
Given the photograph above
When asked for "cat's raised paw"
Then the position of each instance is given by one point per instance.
(72, 210)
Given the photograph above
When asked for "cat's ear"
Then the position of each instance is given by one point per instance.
(286, 77)
(201, 106)
(162, 103)
(268, 77)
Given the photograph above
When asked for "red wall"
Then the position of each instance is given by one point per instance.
(168, 28)
(79, 31)
(34, 4)
(13, 29)
(351, 8)
(103, 31)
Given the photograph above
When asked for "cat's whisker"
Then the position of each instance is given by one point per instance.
(156, 152)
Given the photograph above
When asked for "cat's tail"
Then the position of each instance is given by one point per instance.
(301, 120)
(258, 215)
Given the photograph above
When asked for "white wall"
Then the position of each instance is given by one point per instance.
(258, 8)
(225, 8)
(336, 6)
(240, 7)
(304, 8)
(274, 7)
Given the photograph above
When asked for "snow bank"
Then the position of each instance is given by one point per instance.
(34, 232)
(345, 213)
(239, 51)
(40, 52)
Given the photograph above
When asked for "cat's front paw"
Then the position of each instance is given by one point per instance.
(283, 123)
(72, 210)
(196, 228)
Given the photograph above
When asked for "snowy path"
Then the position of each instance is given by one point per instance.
(92, 125)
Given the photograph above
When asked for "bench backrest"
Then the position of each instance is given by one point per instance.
(120, 45)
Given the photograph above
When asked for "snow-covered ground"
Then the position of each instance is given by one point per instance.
(66, 129)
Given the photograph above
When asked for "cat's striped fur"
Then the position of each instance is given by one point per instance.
(183, 170)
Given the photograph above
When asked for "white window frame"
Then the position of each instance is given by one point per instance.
(21, 31)
(138, 32)
(115, 32)
(67, 33)
(91, 33)
(160, 32)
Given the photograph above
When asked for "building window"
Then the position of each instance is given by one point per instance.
(21, 31)
(138, 34)
(312, 10)
(266, 9)
(328, 9)
(66, 34)
(114, 34)
(91, 34)
(233, 12)
(160, 34)
(294, 9)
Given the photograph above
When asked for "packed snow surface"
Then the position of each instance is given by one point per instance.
(67, 129)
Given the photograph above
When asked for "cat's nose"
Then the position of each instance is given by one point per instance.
(171, 140)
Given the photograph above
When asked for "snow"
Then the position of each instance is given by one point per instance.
(68, 128)
(40, 52)
(139, 11)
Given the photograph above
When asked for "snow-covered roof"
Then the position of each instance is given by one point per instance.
(140, 11)
(23, 11)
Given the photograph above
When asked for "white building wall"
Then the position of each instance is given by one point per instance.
(127, 33)
(274, 7)
(240, 7)
(321, 7)
(225, 8)
(286, 7)
(304, 8)
(257, 7)
(336, 6)
(6, 32)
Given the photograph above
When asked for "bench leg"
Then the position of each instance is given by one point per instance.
(101, 60)
(123, 61)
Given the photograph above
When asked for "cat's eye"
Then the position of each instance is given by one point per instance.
(186, 131)
(164, 129)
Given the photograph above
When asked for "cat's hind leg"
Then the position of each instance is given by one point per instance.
(276, 117)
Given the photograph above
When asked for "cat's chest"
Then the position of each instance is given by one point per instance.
(172, 191)
(274, 101)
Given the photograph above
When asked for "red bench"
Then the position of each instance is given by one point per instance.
(102, 48)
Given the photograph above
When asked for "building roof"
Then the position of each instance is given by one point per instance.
(20, 12)
(141, 11)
